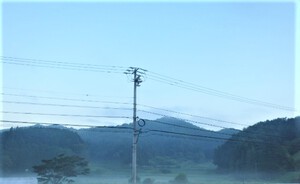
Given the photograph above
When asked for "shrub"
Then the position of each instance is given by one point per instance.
(138, 180)
(148, 181)
(180, 179)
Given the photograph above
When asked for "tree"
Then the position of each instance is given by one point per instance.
(269, 146)
(180, 179)
(59, 169)
(21, 148)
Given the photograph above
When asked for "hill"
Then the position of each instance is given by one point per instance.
(152, 144)
(270, 146)
(21, 148)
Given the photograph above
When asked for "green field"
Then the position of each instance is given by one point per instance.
(196, 173)
(204, 173)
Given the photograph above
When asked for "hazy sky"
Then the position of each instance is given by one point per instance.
(246, 49)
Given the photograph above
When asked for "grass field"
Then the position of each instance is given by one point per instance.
(204, 173)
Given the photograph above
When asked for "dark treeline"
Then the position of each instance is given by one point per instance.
(267, 146)
(270, 146)
(21, 148)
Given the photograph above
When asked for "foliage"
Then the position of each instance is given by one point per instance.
(269, 146)
(138, 180)
(171, 149)
(23, 147)
(180, 179)
(148, 181)
(59, 169)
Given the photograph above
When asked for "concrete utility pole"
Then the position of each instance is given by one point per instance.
(136, 83)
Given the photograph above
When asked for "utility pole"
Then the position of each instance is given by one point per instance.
(137, 74)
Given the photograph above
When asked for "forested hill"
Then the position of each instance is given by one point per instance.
(266, 146)
(153, 144)
(21, 148)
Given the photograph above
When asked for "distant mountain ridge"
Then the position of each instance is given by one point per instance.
(271, 146)
(23, 147)
(152, 144)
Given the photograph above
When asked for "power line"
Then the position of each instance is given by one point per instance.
(250, 135)
(196, 122)
(61, 67)
(39, 61)
(192, 115)
(68, 115)
(64, 99)
(142, 105)
(203, 136)
(155, 121)
(63, 105)
(186, 127)
(129, 128)
(193, 128)
(116, 108)
(147, 134)
(265, 104)
(147, 131)
(67, 93)
(196, 138)
(212, 125)
(190, 86)
(63, 124)
(152, 75)
(110, 102)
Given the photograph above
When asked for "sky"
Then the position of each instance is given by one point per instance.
(246, 49)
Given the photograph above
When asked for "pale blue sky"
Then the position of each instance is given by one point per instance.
(247, 49)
